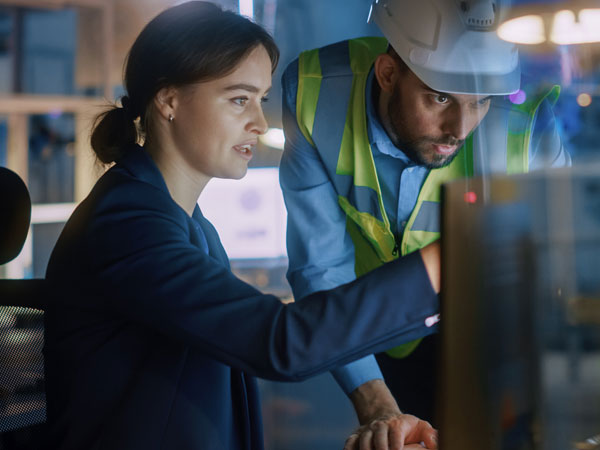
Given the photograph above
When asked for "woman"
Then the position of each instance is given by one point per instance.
(154, 343)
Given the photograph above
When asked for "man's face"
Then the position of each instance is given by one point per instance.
(430, 126)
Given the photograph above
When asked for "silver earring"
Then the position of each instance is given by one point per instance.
(171, 117)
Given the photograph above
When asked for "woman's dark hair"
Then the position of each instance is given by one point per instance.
(189, 43)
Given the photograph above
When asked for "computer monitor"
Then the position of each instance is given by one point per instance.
(520, 354)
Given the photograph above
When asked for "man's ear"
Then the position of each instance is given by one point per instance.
(166, 101)
(386, 72)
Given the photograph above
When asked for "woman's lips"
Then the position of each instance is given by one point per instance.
(245, 151)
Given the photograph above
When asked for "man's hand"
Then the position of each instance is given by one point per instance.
(383, 426)
(391, 433)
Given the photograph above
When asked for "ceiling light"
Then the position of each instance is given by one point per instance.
(527, 29)
(568, 30)
(576, 22)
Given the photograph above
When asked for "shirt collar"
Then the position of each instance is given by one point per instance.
(378, 138)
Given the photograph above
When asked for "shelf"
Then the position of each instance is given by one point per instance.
(44, 104)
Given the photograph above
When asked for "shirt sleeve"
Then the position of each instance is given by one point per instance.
(143, 268)
(546, 148)
(320, 251)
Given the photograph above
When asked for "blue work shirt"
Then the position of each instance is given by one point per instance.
(320, 251)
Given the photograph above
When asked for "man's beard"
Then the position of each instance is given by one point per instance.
(420, 149)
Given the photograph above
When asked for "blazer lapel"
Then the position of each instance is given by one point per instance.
(140, 164)
(215, 248)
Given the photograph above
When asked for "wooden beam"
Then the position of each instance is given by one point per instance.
(44, 104)
(17, 158)
(54, 4)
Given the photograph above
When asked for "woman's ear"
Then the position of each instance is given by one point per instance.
(386, 72)
(166, 101)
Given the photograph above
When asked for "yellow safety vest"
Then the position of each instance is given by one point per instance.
(331, 113)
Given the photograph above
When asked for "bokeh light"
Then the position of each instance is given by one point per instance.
(518, 97)
(584, 99)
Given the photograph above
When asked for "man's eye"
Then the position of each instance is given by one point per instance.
(483, 102)
(441, 99)
(240, 101)
(264, 99)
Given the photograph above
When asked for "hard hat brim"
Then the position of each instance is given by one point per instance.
(469, 83)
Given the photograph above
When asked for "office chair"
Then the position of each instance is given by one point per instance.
(22, 398)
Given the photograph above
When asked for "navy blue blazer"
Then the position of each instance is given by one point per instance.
(153, 343)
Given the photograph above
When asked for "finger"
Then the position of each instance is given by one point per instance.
(416, 430)
(352, 442)
(380, 436)
(423, 432)
(366, 438)
(430, 438)
(396, 438)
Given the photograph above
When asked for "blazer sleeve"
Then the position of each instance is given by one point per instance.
(138, 254)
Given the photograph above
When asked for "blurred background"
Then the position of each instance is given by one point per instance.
(61, 61)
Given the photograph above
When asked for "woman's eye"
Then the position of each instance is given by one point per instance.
(240, 101)
(441, 99)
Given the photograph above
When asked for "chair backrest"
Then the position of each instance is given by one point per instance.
(15, 214)
(22, 397)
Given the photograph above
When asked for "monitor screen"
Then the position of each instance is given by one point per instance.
(520, 359)
(249, 214)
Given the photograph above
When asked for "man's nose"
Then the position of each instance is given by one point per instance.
(459, 124)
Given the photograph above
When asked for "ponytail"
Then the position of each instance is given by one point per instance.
(114, 131)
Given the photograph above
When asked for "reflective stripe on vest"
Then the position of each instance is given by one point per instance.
(331, 113)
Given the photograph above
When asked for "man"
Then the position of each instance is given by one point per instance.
(373, 128)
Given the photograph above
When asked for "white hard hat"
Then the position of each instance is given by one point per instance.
(451, 45)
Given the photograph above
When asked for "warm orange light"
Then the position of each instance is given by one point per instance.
(584, 99)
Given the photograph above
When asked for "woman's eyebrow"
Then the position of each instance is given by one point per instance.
(244, 87)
